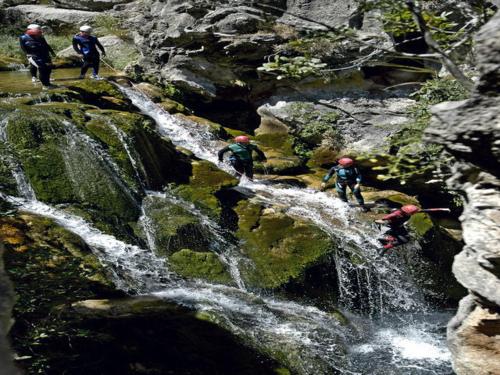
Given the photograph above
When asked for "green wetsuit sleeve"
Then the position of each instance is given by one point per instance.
(259, 152)
(330, 174)
(222, 152)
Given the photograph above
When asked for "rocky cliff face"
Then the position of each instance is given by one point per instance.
(469, 130)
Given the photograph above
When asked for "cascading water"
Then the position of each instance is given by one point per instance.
(309, 340)
(383, 287)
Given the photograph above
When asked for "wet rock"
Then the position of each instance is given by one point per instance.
(173, 226)
(60, 20)
(469, 131)
(282, 248)
(200, 265)
(205, 183)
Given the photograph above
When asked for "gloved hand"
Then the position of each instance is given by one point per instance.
(323, 186)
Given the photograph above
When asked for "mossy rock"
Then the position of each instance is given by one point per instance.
(62, 167)
(7, 182)
(322, 157)
(421, 224)
(214, 128)
(282, 248)
(392, 198)
(100, 93)
(174, 226)
(206, 181)
(281, 159)
(200, 265)
(9, 63)
(173, 107)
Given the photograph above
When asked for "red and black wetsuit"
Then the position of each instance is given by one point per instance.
(397, 233)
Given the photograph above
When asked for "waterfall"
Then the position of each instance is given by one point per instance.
(383, 286)
(308, 340)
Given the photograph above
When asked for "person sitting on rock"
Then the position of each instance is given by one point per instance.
(397, 234)
(86, 45)
(38, 52)
(347, 176)
(241, 158)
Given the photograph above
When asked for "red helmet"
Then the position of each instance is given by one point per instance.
(242, 139)
(410, 209)
(34, 32)
(346, 162)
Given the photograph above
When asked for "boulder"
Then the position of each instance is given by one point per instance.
(119, 53)
(468, 130)
(91, 5)
(174, 226)
(282, 248)
(59, 20)
(200, 265)
(205, 183)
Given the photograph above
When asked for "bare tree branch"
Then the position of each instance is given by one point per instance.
(455, 71)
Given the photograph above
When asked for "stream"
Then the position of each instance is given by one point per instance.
(394, 332)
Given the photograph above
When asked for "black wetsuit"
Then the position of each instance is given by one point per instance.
(346, 177)
(38, 52)
(241, 157)
(87, 47)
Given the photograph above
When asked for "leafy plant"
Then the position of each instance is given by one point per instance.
(410, 156)
(293, 67)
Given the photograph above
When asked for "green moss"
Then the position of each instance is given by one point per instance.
(281, 248)
(63, 168)
(100, 93)
(205, 182)
(421, 223)
(174, 226)
(279, 151)
(171, 106)
(198, 265)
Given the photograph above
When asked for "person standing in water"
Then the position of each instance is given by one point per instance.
(86, 45)
(38, 52)
(241, 158)
(347, 176)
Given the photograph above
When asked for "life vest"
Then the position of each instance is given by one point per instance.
(349, 174)
(37, 47)
(242, 152)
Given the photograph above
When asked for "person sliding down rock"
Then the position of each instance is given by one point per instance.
(86, 45)
(347, 176)
(241, 158)
(396, 234)
(38, 52)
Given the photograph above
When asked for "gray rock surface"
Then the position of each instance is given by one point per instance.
(470, 131)
(93, 5)
(55, 18)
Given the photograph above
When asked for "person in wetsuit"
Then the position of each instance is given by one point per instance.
(397, 234)
(86, 45)
(38, 52)
(241, 158)
(347, 176)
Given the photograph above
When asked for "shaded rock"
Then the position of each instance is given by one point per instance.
(200, 265)
(469, 131)
(93, 5)
(6, 303)
(154, 335)
(59, 20)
